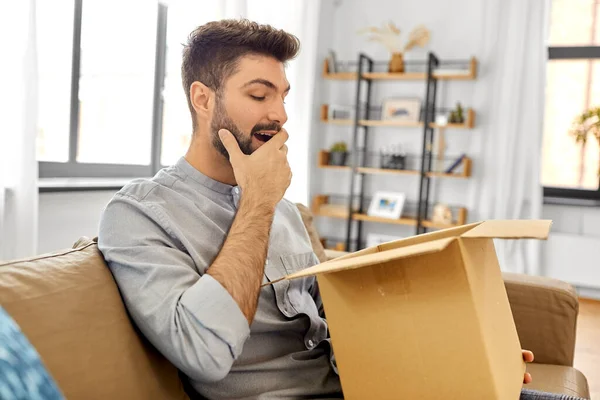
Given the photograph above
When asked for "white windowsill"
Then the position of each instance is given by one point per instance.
(75, 184)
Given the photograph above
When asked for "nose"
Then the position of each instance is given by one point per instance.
(277, 113)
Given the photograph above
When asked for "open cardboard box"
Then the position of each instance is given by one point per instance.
(426, 317)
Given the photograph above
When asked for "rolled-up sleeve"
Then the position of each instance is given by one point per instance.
(190, 318)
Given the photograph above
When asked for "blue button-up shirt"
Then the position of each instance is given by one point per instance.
(160, 235)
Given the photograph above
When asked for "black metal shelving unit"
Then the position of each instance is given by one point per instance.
(363, 110)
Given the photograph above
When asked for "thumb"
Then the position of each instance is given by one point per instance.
(231, 145)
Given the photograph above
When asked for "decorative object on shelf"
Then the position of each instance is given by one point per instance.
(587, 123)
(455, 164)
(441, 214)
(457, 115)
(374, 239)
(389, 36)
(335, 111)
(387, 205)
(338, 154)
(392, 157)
(441, 120)
(408, 109)
(332, 61)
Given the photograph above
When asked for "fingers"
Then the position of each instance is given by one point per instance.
(279, 139)
(527, 378)
(528, 356)
(231, 145)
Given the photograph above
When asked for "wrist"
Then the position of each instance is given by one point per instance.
(258, 201)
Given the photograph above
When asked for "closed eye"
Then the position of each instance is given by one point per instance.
(258, 98)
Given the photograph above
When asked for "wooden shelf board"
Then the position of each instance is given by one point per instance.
(399, 221)
(382, 171)
(436, 225)
(338, 167)
(445, 175)
(471, 74)
(332, 210)
(390, 76)
(411, 124)
(402, 76)
(345, 76)
(399, 124)
(377, 171)
(450, 126)
(338, 121)
(455, 77)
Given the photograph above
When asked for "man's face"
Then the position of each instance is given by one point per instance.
(250, 103)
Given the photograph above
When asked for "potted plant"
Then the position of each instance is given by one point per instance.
(338, 154)
(586, 124)
(457, 116)
(389, 36)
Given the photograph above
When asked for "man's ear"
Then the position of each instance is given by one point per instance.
(202, 99)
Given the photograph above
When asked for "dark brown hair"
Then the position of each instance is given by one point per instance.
(213, 50)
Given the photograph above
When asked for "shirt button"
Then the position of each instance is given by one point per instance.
(311, 343)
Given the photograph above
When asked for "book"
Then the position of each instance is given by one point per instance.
(455, 164)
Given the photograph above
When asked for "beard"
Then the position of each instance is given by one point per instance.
(221, 120)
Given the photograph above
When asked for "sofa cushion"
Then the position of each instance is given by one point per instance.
(558, 379)
(69, 307)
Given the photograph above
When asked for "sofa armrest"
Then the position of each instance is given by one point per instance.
(545, 313)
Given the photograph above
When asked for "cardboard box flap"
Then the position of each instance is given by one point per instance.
(510, 229)
(376, 258)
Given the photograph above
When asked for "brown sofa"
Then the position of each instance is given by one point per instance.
(68, 305)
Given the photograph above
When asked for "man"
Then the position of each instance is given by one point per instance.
(191, 247)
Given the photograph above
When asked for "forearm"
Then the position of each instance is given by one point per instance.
(239, 266)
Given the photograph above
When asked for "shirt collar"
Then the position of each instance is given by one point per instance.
(202, 179)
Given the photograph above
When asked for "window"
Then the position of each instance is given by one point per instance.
(111, 102)
(571, 168)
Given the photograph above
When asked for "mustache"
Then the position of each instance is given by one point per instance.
(266, 127)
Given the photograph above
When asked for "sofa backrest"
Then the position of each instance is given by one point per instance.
(69, 307)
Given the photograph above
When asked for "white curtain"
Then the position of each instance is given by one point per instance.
(299, 17)
(18, 165)
(510, 88)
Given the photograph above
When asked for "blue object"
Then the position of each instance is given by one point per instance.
(22, 374)
(455, 164)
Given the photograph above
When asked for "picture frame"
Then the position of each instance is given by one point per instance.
(387, 205)
(375, 239)
(401, 109)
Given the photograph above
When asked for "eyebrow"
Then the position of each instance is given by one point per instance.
(265, 82)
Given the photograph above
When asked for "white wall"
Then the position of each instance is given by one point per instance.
(66, 216)
(572, 252)
(456, 34)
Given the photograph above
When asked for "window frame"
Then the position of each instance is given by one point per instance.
(74, 169)
(572, 53)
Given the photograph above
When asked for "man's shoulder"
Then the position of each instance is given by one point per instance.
(147, 190)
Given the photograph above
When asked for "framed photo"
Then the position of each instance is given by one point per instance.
(401, 110)
(387, 205)
(375, 239)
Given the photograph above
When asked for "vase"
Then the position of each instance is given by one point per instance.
(396, 63)
(338, 158)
